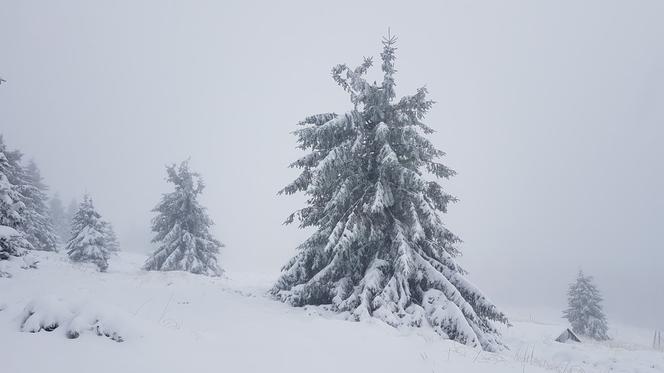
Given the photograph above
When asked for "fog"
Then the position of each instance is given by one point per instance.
(552, 114)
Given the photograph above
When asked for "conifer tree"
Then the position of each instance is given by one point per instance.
(89, 241)
(61, 224)
(182, 228)
(380, 246)
(111, 237)
(72, 208)
(38, 226)
(12, 206)
(584, 312)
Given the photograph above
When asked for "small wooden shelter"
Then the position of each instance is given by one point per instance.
(568, 336)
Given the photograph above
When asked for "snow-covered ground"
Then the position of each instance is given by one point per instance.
(177, 322)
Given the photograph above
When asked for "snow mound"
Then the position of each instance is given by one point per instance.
(44, 314)
(4, 270)
(29, 262)
(50, 313)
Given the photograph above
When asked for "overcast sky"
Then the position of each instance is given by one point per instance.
(552, 113)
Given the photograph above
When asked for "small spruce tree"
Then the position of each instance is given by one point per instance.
(72, 208)
(585, 313)
(38, 226)
(89, 241)
(182, 228)
(61, 224)
(112, 238)
(380, 247)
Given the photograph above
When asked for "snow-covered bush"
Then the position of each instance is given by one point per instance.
(30, 262)
(51, 313)
(45, 314)
(381, 247)
(95, 321)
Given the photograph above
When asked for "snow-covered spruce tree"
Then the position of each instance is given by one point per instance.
(12, 207)
(111, 237)
(182, 228)
(38, 226)
(585, 313)
(61, 224)
(71, 211)
(380, 247)
(89, 241)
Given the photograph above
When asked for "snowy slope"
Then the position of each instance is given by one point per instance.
(175, 322)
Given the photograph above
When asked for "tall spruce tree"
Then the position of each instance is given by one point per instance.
(12, 205)
(11, 200)
(89, 241)
(182, 228)
(38, 226)
(380, 247)
(584, 312)
(61, 224)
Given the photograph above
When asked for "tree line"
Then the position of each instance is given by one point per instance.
(380, 246)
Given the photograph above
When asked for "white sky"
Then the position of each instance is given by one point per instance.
(551, 112)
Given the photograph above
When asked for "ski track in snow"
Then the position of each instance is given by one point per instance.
(179, 322)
